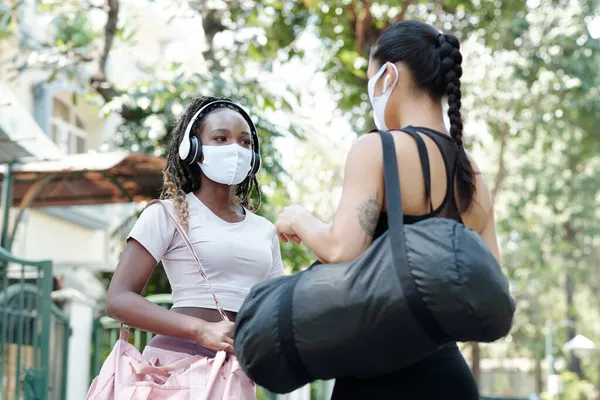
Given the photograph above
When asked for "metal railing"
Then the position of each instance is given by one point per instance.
(106, 334)
(34, 332)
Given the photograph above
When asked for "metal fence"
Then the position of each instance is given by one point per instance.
(106, 334)
(34, 332)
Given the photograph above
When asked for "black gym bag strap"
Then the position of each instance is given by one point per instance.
(286, 331)
(416, 305)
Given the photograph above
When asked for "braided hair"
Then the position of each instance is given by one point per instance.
(180, 178)
(435, 63)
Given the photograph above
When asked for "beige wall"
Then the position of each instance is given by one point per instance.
(89, 114)
(22, 86)
(46, 237)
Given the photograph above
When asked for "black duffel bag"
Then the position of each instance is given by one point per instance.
(416, 288)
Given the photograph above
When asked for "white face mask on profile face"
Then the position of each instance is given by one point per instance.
(379, 103)
(228, 165)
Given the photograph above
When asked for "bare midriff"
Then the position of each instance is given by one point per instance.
(207, 314)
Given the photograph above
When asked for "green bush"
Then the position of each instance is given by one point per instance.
(573, 388)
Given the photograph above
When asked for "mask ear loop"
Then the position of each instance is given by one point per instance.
(386, 81)
(387, 78)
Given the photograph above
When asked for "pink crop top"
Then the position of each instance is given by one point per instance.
(236, 256)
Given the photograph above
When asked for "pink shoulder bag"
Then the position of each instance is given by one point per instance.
(127, 375)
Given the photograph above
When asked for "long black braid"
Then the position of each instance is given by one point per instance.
(451, 71)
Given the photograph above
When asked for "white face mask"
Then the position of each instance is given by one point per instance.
(227, 164)
(379, 103)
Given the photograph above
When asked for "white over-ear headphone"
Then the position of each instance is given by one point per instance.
(190, 148)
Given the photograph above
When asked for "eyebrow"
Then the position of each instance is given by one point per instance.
(224, 130)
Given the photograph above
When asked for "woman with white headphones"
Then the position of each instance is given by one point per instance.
(211, 171)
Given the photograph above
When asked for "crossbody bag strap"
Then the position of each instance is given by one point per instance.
(188, 243)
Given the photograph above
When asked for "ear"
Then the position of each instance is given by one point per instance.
(390, 75)
(386, 83)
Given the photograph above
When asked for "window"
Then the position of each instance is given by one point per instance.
(67, 128)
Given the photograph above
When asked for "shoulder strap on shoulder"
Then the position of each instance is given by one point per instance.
(188, 243)
(424, 157)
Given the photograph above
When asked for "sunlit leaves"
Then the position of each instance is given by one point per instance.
(73, 31)
(7, 26)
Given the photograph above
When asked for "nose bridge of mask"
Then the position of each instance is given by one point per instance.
(238, 152)
(224, 150)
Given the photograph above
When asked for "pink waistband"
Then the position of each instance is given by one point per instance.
(179, 345)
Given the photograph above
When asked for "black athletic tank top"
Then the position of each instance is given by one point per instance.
(449, 150)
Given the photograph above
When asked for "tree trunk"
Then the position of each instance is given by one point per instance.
(574, 361)
(596, 288)
(538, 373)
(99, 81)
(402, 15)
(365, 30)
(439, 6)
(598, 384)
(476, 361)
(212, 25)
(475, 349)
(211, 22)
(571, 263)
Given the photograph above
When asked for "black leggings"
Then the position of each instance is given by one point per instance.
(444, 375)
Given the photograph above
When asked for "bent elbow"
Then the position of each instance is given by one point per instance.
(338, 255)
(341, 254)
(336, 249)
(112, 307)
(109, 309)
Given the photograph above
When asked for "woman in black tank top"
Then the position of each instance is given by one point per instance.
(412, 67)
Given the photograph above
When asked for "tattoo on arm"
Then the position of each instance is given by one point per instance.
(368, 215)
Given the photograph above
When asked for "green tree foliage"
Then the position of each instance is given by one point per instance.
(347, 29)
(551, 217)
